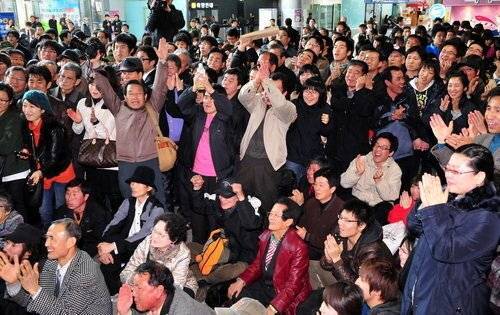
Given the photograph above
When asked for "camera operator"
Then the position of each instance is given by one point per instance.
(164, 21)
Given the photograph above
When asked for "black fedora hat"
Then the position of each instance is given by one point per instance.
(143, 175)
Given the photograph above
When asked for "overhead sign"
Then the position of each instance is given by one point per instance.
(437, 11)
(384, 1)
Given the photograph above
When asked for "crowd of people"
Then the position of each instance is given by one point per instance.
(315, 172)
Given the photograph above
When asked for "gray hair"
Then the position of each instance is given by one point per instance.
(6, 203)
(184, 52)
(73, 67)
(71, 227)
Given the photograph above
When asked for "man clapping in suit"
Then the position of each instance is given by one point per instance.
(69, 282)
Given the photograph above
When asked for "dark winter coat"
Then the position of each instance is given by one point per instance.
(453, 255)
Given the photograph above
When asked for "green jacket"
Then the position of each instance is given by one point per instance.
(10, 143)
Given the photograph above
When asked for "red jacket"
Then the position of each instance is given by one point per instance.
(291, 275)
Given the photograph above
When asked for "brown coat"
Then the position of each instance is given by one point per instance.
(319, 223)
(135, 133)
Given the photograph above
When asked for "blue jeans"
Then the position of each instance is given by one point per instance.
(298, 169)
(54, 194)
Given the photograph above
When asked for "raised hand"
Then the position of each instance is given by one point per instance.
(162, 50)
(333, 250)
(29, 277)
(472, 85)
(298, 197)
(405, 200)
(377, 177)
(445, 102)
(431, 191)
(419, 144)
(476, 119)
(439, 128)
(360, 82)
(301, 231)
(9, 271)
(325, 119)
(74, 115)
(360, 164)
(125, 300)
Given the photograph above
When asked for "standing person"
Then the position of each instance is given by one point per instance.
(94, 119)
(53, 23)
(164, 21)
(135, 143)
(263, 147)
(457, 238)
(45, 145)
(13, 170)
(69, 282)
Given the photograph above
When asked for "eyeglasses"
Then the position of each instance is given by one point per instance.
(381, 147)
(346, 220)
(455, 172)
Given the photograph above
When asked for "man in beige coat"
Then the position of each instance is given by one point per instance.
(375, 178)
(263, 146)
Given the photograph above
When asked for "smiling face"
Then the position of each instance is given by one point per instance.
(381, 150)
(426, 75)
(276, 222)
(492, 115)
(352, 75)
(310, 96)
(460, 177)
(397, 83)
(159, 236)
(135, 96)
(58, 242)
(455, 88)
(31, 112)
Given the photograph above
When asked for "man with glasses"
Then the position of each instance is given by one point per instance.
(375, 178)
(149, 59)
(17, 78)
(449, 55)
(48, 50)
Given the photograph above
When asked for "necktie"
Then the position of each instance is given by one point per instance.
(58, 283)
(270, 252)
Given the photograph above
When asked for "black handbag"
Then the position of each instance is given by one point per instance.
(98, 153)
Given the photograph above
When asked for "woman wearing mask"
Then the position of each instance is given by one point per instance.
(45, 143)
(457, 238)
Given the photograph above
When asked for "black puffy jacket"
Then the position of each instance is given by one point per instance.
(53, 149)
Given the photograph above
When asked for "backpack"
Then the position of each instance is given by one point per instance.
(215, 252)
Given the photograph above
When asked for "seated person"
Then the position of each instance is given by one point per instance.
(361, 239)
(375, 178)
(153, 291)
(306, 183)
(89, 215)
(69, 282)
(24, 243)
(9, 218)
(318, 220)
(278, 276)
(133, 221)
(234, 212)
(343, 298)
(378, 279)
(407, 201)
(166, 245)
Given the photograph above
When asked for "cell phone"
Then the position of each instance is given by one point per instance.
(338, 238)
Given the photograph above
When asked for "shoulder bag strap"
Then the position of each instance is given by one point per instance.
(154, 118)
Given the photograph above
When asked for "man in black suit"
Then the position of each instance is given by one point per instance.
(149, 59)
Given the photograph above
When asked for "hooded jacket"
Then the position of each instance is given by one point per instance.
(369, 245)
